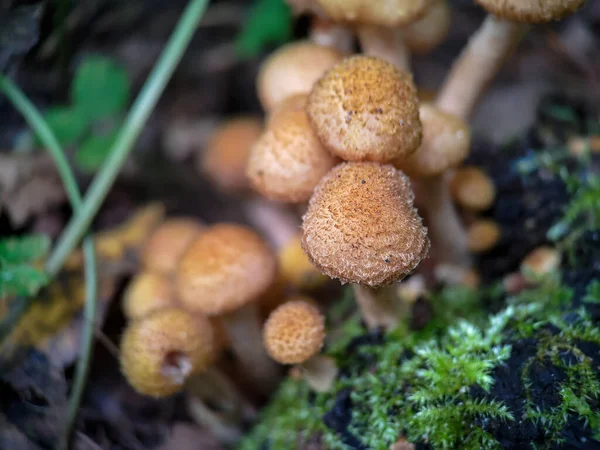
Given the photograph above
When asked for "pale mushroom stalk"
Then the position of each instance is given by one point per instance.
(276, 223)
(385, 43)
(478, 64)
(447, 232)
(379, 308)
(243, 328)
(331, 34)
(320, 372)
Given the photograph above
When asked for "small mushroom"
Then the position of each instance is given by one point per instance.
(294, 334)
(430, 31)
(364, 109)
(160, 351)
(288, 160)
(491, 45)
(226, 155)
(223, 273)
(361, 227)
(164, 248)
(483, 235)
(472, 189)
(147, 292)
(293, 69)
(446, 143)
(540, 262)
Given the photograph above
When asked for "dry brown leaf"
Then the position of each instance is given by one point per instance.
(29, 185)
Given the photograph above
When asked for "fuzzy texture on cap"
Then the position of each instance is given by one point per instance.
(483, 235)
(146, 293)
(225, 158)
(429, 31)
(294, 332)
(531, 11)
(293, 69)
(472, 189)
(365, 109)
(161, 350)
(288, 160)
(446, 143)
(387, 13)
(227, 267)
(166, 245)
(361, 226)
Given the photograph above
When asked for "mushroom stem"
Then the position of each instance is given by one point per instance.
(243, 328)
(320, 372)
(448, 234)
(385, 43)
(477, 65)
(331, 34)
(378, 307)
(277, 224)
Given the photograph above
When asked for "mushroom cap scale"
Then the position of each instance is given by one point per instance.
(387, 13)
(227, 267)
(361, 226)
(294, 332)
(159, 351)
(293, 69)
(288, 160)
(531, 11)
(365, 109)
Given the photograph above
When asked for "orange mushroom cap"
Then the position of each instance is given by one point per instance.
(147, 292)
(296, 102)
(531, 11)
(224, 159)
(388, 13)
(366, 109)
(227, 267)
(293, 69)
(446, 143)
(483, 235)
(288, 160)
(161, 350)
(361, 226)
(472, 188)
(428, 32)
(166, 245)
(294, 332)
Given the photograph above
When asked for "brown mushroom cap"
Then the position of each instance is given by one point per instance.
(361, 226)
(159, 351)
(146, 293)
(366, 109)
(225, 157)
(483, 235)
(541, 261)
(296, 102)
(428, 32)
(446, 143)
(531, 11)
(288, 160)
(387, 13)
(472, 189)
(166, 245)
(294, 332)
(293, 69)
(227, 267)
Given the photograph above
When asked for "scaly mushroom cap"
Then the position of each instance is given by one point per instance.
(294, 332)
(361, 226)
(472, 189)
(428, 32)
(146, 293)
(224, 159)
(365, 109)
(387, 13)
(227, 267)
(293, 69)
(161, 350)
(531, 11)
(446, 143)
(288, 160)
(166, 245)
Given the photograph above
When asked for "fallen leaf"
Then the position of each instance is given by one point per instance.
(29, 185)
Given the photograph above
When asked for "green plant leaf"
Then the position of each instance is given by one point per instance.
(68, 125)
(100, 88)
(93, 151)
(269, 22)
(21, 279)
(24, 249)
